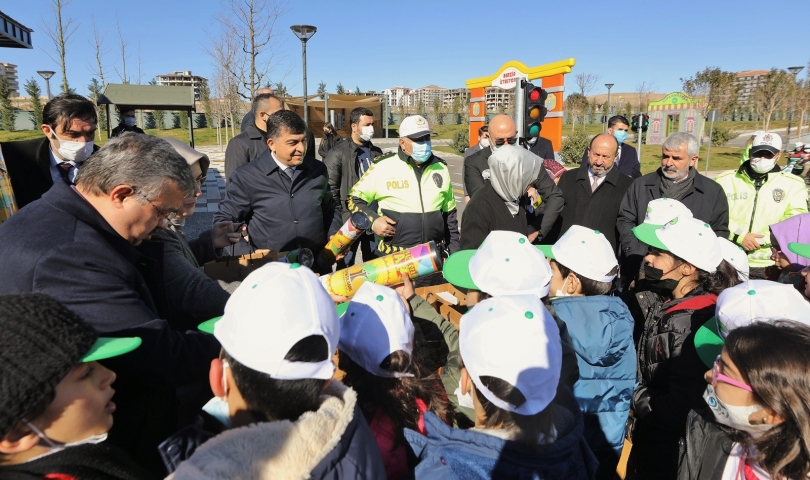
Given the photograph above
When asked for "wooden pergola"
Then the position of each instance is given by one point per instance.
(150, 97)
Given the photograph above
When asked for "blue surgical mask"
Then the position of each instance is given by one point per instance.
(421, 151)
(620, 136)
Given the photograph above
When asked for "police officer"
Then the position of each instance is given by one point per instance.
(413, 191)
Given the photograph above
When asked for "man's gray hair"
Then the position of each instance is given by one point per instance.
(674, 142)
(143, 161)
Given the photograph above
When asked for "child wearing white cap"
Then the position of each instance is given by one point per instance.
(511, 356)
(507, 264)
(393, 389)
(287, 417)
(685, 267)
(583, 267)
(758, 417)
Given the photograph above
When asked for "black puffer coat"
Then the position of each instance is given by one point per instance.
(670, 379)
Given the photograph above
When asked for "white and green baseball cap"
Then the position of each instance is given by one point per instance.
(688, 238)
(744, 304)
(586, 252)
(505, 264)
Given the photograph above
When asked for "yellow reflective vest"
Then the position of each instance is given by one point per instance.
(420, 200)
(780, 196)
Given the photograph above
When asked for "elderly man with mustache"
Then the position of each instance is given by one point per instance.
(677, 178)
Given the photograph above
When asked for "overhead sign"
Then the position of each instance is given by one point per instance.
(508, 78)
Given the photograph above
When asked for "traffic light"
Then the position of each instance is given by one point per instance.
(634, 123)
(535, 108)
(645, 122)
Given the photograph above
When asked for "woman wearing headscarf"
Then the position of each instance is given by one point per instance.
(499, 205)
(192, 296)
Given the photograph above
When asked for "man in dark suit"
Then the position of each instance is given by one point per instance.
(77, 244)
(283, 195)
(252, 141)
(628, 162)
(69, 125)
(503, 131)
(483, 142)
(594, 192)
(542, 147)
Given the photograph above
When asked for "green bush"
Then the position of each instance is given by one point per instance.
(574, 146)
(461, 141)
(721, 136)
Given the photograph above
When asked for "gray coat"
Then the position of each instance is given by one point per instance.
(195, 296)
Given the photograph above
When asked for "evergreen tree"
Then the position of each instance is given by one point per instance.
(205, 98)
(6, 108)
(34, 93)
(95, 92)
(340, 90)
(321, 88)
(183, 117)
(159, 117)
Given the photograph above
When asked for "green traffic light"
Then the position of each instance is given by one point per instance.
(534, 129)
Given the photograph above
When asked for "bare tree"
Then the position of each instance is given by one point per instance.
(252, 23)
(60, 36)
(802, 103)
(773, 94)
(586, 82)
(123, 45)
(643, 90)
(100, 51)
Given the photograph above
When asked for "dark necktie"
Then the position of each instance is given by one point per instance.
(64, 171)
(290, 172)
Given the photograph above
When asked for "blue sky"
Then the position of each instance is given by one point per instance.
(379, 44)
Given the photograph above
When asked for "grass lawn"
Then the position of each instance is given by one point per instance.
(444, 149)
(202, 136)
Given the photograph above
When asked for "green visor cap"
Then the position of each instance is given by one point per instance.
(708, 343)
(106, 347)
(646, 233)
(456, 268)
(208, 325)
(546, 249)
(341, 309)
(800, 249)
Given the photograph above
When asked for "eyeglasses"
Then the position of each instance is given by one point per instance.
(201, 179)
(717, 376)
(162, 214)
(500, 141)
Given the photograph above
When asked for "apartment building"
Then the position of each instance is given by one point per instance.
(750, 80)
(497, 98)
(9, 70)
(395, 95)
(182, 78)
(451, 95)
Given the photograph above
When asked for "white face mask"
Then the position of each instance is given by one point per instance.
(129, 121)
(58, 447)
(367, 133)
(484, 142)
(74, 151)
(532, 141)
(561, 291)
(762, 165)
(734, 416)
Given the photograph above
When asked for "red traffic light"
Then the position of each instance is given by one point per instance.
(534, 95)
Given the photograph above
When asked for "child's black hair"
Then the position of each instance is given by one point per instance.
(589, 287)
(269, 399)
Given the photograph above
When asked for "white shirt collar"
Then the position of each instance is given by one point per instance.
(280, 165)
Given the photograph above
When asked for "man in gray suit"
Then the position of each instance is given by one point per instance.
(483, 142)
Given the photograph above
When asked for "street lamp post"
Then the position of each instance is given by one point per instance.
(795, 71)
(46, 74)
(304, 33)
(609, 86)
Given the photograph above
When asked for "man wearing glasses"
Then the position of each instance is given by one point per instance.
(503, 131)
(77, 244)
(760, 194)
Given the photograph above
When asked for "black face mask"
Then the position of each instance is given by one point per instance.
(653, 277)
